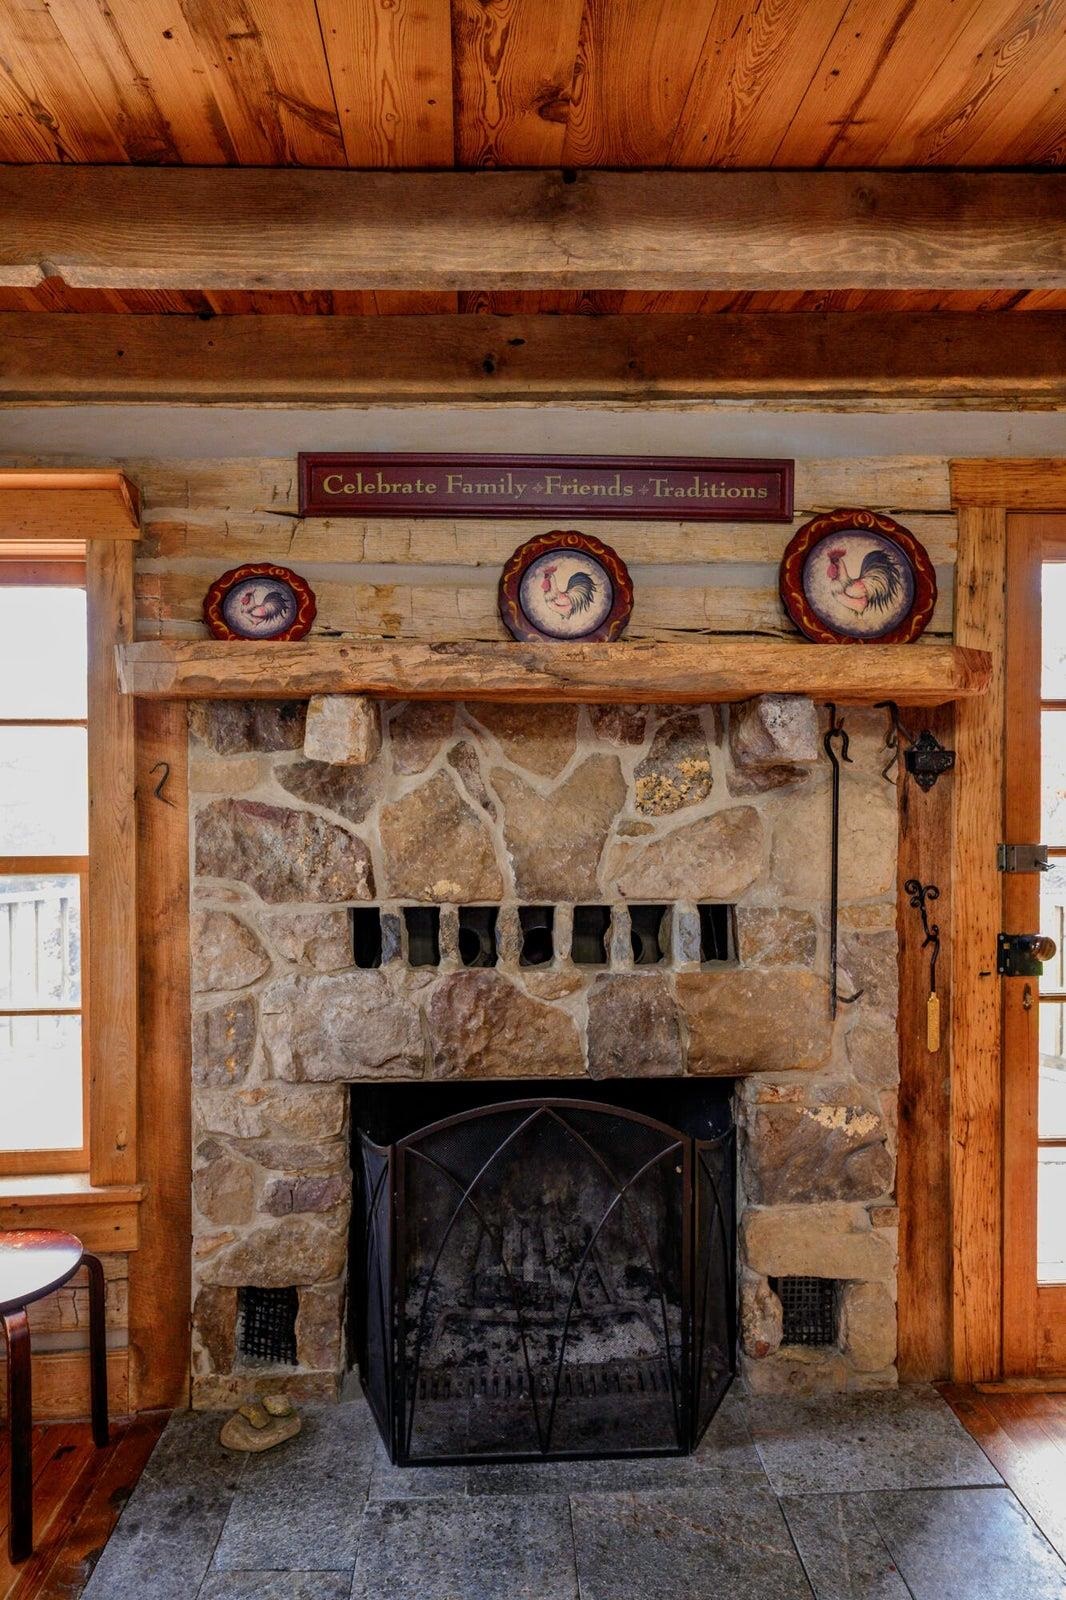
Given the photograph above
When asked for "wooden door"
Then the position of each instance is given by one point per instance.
(1034, 1018)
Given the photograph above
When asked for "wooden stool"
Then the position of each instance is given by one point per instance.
(33, 1263)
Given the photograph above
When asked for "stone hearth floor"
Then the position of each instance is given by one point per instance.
(881, 1496)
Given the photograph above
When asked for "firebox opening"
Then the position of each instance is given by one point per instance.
(542, 1269)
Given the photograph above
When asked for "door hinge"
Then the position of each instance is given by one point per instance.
(1022, 858)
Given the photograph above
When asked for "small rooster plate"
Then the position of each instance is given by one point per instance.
(565, 586)
(857, 577)
(259, 601)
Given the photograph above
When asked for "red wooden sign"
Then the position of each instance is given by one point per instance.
(672, 488)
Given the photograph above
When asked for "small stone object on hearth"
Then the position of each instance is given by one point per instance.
(260, 1425)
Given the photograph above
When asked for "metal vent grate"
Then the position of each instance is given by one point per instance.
(266, 1325)
(809, 1307)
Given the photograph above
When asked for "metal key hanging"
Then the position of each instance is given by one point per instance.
(836, 731)
(921, 894)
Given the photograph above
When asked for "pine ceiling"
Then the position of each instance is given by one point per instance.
(532, 83)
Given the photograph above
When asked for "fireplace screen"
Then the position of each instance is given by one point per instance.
(544, 1276)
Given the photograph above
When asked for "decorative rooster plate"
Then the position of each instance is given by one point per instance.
(857, 577)
(565, 586)
(259, 601)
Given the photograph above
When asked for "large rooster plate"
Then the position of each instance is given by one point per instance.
(565, 587)
(259, 601)
(856, 577)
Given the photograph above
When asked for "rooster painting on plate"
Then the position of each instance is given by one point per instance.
(878, 586)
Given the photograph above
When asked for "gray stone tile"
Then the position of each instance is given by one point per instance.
(606, 1477)
(842, 1552)
(728, 1443)
(168, 1530)
(276, 1586)
(491, 1548)
(888, 1439)
(967, 1544)
(414, 1483)
(300, 1505)
(692, 1544)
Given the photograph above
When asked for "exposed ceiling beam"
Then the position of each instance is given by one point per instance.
(255, 228)
(49, 358)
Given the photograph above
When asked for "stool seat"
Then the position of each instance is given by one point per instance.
(33, 1262)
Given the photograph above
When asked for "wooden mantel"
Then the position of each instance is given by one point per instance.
(694, 673)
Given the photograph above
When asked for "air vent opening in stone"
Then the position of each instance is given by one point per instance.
(366, 936)
(423, 935)
(538, 942)
(717, 933)
(809, 1309)
(650, 933)
(477, 935)
(266, 1326)
(588, 943)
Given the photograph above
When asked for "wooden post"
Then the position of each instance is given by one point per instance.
(112, 938)
(976, 1094)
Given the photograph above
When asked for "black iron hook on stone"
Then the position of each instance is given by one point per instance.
(836, 731)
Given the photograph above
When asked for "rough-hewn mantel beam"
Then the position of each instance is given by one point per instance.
(227, 228)
(951, 359)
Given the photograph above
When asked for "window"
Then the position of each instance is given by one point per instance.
(43, 866)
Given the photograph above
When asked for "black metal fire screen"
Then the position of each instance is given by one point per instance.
(541, 1275)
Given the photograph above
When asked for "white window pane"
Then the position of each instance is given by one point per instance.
(42, 652)
(1053, 923)
(1051, 1217)
(44, 796)
(40, 1083)
(1053, 763)
(1052, 1106)
(1054, 630)
(40, 943)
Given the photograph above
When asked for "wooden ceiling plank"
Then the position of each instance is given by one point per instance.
(931, 42)
(514, 67)
(622, 359)
(267, 71)
(636, 62)
(45, 79)
(391, 69)
(1009, 59)
(750, 85)
(151, 228)
(1025, 120)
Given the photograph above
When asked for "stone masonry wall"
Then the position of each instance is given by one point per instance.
(551, 805)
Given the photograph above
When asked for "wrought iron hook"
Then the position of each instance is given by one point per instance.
(836, 731)
(920, 896)
(161, 785)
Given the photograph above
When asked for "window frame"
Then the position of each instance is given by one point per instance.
(58, 571)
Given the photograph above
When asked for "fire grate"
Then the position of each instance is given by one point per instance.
(543, 1276)
(266, 1325)
(809, 1309)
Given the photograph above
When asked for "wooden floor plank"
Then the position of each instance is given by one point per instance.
(78, 1494)
(1021, 1437)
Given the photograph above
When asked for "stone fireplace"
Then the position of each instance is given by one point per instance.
(486, 893)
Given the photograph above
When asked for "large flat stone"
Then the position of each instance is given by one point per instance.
(868, 1326)
(416, 733)
(482, 1026)
(291, 1251)
(300, 1506)
(844, 1555)
(677, 770)
(773, 729)
(700, 1543)
(828, 1149)
(437, 848)
(349, 791)
(868, 841)
(967, 1544)
(894, 1439)
(234, 726)
(542, 739)
(277, 1586)
(555, 840)
(489, 1547)
(775, 936)
(634, 1030)
(318, 939)
(280, 853)
(714, 859)
(350, 1025)
(742, 1020)
(223, 1041)
(274, 1110)
(342, 728)
(225, 953)
(828, 1240)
